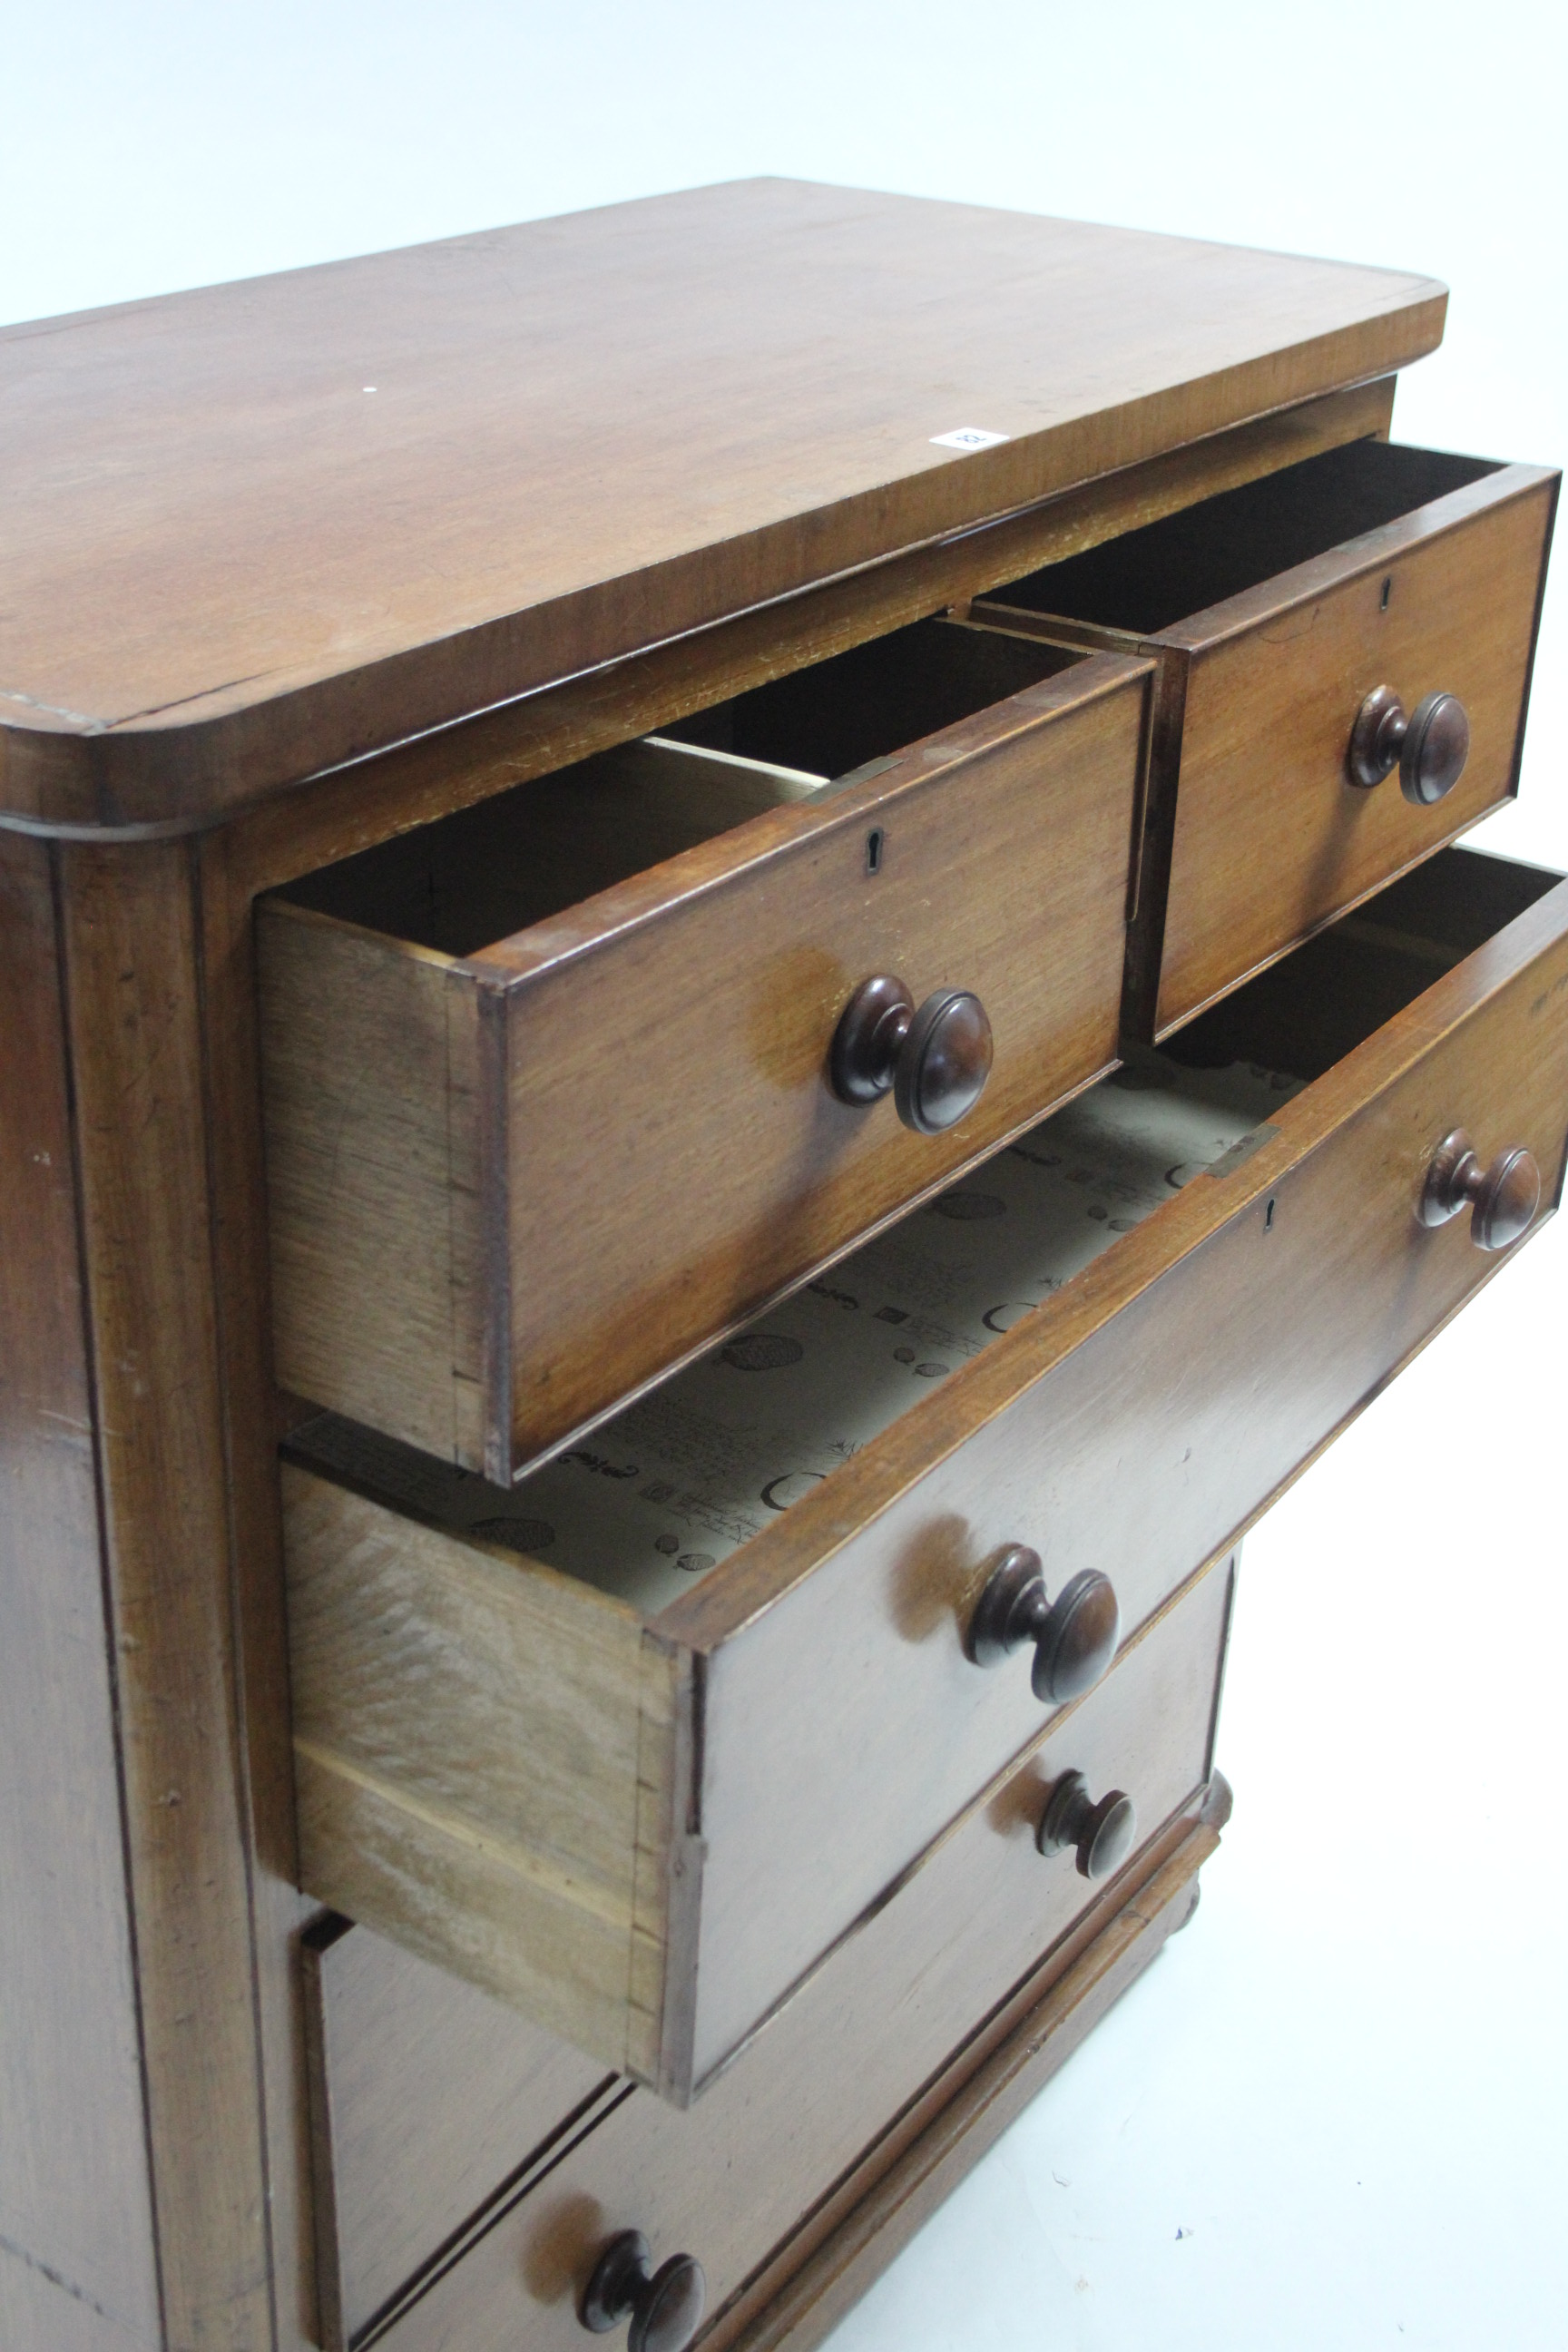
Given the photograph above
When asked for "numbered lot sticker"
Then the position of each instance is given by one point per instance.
(968, 436)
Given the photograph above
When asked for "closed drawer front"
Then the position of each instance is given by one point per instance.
(427, 2097)
(645, 1824)
(509, 1182)
(728, 2181)
(1275, 612)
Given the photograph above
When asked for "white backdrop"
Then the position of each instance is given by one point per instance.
(1333, 2114)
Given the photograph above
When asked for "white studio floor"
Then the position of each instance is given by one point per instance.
(1331, 2113)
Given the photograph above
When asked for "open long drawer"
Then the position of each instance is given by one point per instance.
(634, 1743)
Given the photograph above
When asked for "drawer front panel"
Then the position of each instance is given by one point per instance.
(675, 1152)
(425, 2096)
(1271, 837)
(728, 2181)
(845, 1725)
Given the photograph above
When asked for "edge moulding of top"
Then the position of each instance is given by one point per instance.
(262, 530)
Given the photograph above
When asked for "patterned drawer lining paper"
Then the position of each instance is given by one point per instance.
(655, 1498)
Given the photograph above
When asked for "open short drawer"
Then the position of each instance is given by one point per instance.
(642, 1791)
(548, 1103)
(1274, 612)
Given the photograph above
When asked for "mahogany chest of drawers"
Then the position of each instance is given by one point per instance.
(741, 997)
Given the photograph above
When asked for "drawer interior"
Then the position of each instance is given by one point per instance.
(484, 874)
(1307, 1012)
(864, 705)
(661, 1495)
(1150, 579)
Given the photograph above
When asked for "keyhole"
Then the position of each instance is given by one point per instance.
(1268, 1218)
(1387, 592)
(873, 850)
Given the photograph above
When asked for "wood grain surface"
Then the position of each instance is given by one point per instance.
(430, 2097)
(830, 1646)
(253, 1416)
(1258, 836)
(372, 1078)
(1444, 600)
(343, 815)
(731, 2178)
(792, 2305)
(675, 1154)
(833, 1639)
(129, 926)
(594, 432)
(668, 1155)
(459, 766)
(212, 608)
(78, 2259)
(480, 1757)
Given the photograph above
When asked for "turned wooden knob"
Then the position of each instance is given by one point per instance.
(665, 2305)
(1503, 1198)
(1074, 1635)
(934, 1062)
(1431, 746)
(1103, 1832)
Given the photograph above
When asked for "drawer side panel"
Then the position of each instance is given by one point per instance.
(372, 1101)
(470, 1741)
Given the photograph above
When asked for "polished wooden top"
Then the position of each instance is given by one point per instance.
(232, 562)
